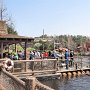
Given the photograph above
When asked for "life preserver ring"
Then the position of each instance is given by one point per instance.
(8, 64)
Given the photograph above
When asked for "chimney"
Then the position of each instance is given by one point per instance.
(3, 28)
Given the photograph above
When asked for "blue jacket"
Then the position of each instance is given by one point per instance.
(66, 55)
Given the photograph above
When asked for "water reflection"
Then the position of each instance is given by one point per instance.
(75, 83)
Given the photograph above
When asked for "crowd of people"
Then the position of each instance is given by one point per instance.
(8, 64)
(67, 55)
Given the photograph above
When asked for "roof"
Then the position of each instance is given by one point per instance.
(14, 36)
(10, 39)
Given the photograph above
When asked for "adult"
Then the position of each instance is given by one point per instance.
(31, 55)
(67, 58)
(71, 58)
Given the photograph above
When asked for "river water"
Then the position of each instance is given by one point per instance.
(75, 83)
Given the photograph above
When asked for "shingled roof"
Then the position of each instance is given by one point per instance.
(11, 36)
(14, 36)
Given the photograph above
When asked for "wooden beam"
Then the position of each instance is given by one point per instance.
(25, 52)
(15, 47)
(1, 49)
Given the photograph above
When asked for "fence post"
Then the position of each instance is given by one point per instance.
(30, 83)
(81, 63)
(55, 65)
(0, 67)
(41, 65)
(25, 66)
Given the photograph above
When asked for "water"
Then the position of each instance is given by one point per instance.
(75, 83)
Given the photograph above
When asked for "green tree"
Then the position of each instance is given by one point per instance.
(11, 30)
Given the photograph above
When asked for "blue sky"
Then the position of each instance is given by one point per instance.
(56, 17)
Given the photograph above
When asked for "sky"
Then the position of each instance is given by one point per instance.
(55, 17)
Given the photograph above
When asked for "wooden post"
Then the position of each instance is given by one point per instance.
(1, 49)
(8, 48)
(33, 66)
(25, 66)
(55, 65)
(25, 50)
(41, 65)
(15, 47)
(30, 83)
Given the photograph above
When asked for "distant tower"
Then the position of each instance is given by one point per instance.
(3, 26)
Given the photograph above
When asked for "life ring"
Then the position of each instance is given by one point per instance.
(8, 64)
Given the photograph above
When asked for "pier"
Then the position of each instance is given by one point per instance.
(25, 73)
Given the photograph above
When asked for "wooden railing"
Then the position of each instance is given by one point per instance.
(11, 82)
(35, 66)
(44, 65)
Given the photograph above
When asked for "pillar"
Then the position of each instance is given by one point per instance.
(8, 47)
(15, 47)
(1, 49)
(30, 83)
(25, 50)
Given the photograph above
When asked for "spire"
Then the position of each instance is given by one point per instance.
(43, 33)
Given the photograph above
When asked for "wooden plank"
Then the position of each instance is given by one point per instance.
(48, 75)
(41, 71)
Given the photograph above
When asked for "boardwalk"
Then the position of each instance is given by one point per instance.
(30, 70)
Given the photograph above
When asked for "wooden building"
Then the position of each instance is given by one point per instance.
(8, 39)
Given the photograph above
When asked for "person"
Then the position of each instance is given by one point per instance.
(67, 58)
(8, 65)
(15, 56)
(31, 58)
(21, 55)
(31, 55)
(37, 54)
(49, 53)
(71, 58)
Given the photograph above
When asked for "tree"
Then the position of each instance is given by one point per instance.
(37, 46)
(4, 17)
(11, 30)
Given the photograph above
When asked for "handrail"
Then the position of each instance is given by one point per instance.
(29, 84)
(14, 78)
(38, 60)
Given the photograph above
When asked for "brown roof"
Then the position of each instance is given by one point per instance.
(10, 39)
(15, 36)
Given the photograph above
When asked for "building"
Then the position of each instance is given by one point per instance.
(8, 39)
